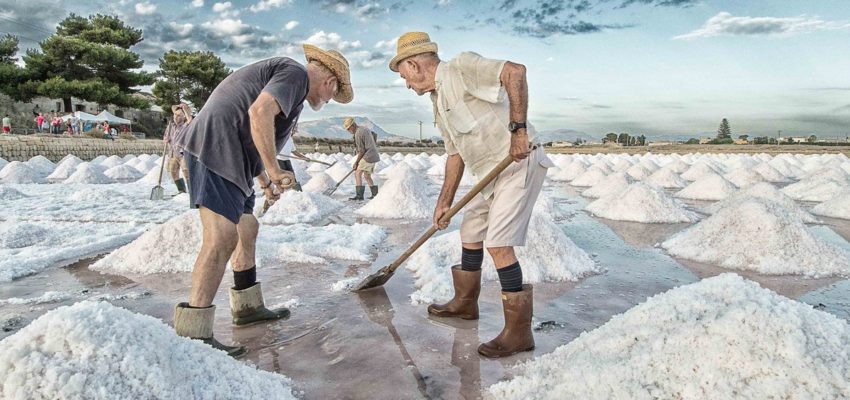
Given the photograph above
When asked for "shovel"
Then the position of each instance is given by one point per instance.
(384, 274)
(314, 161)
(157, 193)
(331, 191)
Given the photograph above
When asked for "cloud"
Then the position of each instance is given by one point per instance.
(265, 5)
(332, 40)
(197, 3)
(369, 11)
(725, 24)
(182, 30)
(145, 8)
(227, 27)
(221, 7)
(291, 25)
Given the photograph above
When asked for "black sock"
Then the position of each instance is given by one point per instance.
(471, 260)
(511, 278)
(244, 279)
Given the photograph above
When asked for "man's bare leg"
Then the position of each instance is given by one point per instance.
(220, 238)
(369, 179)
(358, 178)
(502, 256)
(244, 256)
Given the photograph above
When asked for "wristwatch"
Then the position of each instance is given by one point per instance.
(515, 126)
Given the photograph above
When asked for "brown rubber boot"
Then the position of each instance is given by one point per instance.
(197, 323)
(464, 304)
(516, 336)
(247, 307)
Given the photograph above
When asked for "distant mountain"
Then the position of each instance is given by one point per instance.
(566, 135)
(332, 128)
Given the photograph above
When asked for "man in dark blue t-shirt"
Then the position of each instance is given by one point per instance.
(233, 140)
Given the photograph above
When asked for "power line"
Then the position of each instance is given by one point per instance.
(21, 23)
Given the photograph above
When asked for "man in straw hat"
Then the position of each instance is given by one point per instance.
(480, 106)
(233, 140)
(181, 117)
(367, 157)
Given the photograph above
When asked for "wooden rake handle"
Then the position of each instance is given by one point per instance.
(451, 213)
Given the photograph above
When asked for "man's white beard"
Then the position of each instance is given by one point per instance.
(316, 107)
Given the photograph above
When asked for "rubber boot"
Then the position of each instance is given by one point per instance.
(516, 336)
(464, 304)
(359, 190)
(181, 185)
(197, 323)
(374, 189)
(247, 307)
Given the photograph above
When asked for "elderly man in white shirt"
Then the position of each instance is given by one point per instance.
(480, 106)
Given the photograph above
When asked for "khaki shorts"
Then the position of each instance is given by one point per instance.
(502, 220)
(366, 167)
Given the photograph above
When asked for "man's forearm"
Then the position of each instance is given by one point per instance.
(454, 173)
(516, 87)
(262, 131)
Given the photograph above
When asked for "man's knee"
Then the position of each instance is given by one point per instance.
(496, 252)
(473, 246)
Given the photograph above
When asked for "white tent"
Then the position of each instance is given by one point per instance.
(112, 119)
(85, 117)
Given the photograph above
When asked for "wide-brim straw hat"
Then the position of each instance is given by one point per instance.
(347, 122)
(338, 65)
(411, 44)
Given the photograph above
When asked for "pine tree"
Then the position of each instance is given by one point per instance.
(189, 76)
(87, 58)
(10, 74)
(724, 132)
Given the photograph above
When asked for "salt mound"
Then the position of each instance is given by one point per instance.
(765, 191)
(97, 350)
(87, 173)
(18, 172)
(20, 235)
(744, 177)
(300, 207)
(572, 171)
(98, 159)
(128, 157)
(759, 235)
(614, 183)
(639, 172)
(769, 173)
(111, 161)
(42, 165)
(303, 243)
(7, 193)
(339, 171)
(3, 162)
(709, 187)
(549, 255)
(838, 207)
(319, 183)
(153, 176)
(402, 196)
(720, 338)
(698, 171)
(123, 173)
(815, 188)
(641, 203)
(439, 169)
(170, 247)
(678, 166)
(64, 169)
(592, 176)
(666, 178)
(316, 167)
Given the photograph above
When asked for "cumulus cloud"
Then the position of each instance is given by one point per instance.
(358, 56)
(265, 5)
(145, 8)
(726, 24)
(369, 11)
(222, 7)
(197, 3)
(291, 25)
(332, 40)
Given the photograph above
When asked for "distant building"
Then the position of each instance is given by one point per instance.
(665, 143)
(799, 139)
(705, 139)
(563, 144)
(741, 141)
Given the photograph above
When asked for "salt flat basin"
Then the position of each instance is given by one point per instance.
(377, 345)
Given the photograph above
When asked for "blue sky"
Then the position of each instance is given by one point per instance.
(641, 66)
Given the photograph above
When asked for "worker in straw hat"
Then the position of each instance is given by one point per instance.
(367, 157)
(181, 117)
(232, 141)
(481, 107)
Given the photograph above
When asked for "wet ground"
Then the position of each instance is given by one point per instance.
(376, 345)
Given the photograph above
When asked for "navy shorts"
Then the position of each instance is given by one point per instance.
(209, 190)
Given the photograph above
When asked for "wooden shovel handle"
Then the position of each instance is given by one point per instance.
(162, 164)
(452, 211)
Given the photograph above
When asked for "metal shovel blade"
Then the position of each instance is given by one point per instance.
(157, 193)
(375, 280)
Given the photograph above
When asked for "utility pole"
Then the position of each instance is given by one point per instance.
(420, 131)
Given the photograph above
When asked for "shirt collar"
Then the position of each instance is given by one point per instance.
(440, 75)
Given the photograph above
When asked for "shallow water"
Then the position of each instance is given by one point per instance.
(376, 345)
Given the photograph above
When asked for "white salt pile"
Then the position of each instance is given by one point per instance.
(300, 207)
(169, 247)
(666, 178)
(838, 207)
(18, 172)
(641, 203)
(769, 173)
(7, 193)
(639, 172)
(87, 173)
(614, 183)
(743, 177)
(549, 255)
(402, 196)
(699, 170)
(339, 171)
(815, 188)
(316, 167)
(709, 187)
(319, 183)
(302, 243)
(97, 350)
(678, 166)
(64, 169)
(592, 176)
(111, 161)
(153, 176)
(42, 165)
(98, 159)
(123, 173)
(570, 172)
(759, 235)
(765, 191)
(3, 162)
(721, 338)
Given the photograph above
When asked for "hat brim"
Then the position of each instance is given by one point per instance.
(423, 48)
(345, 91)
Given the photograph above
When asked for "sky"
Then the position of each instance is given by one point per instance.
(653, 67)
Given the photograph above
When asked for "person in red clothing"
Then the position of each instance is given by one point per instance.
(39, 121)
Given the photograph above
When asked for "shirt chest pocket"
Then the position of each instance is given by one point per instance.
(460, 117)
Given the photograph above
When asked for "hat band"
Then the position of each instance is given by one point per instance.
(414, 42)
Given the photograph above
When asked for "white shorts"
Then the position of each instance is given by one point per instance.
(502, 220)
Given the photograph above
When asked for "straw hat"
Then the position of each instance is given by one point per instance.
(411, 44)
(347, 122)
(337, 63)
